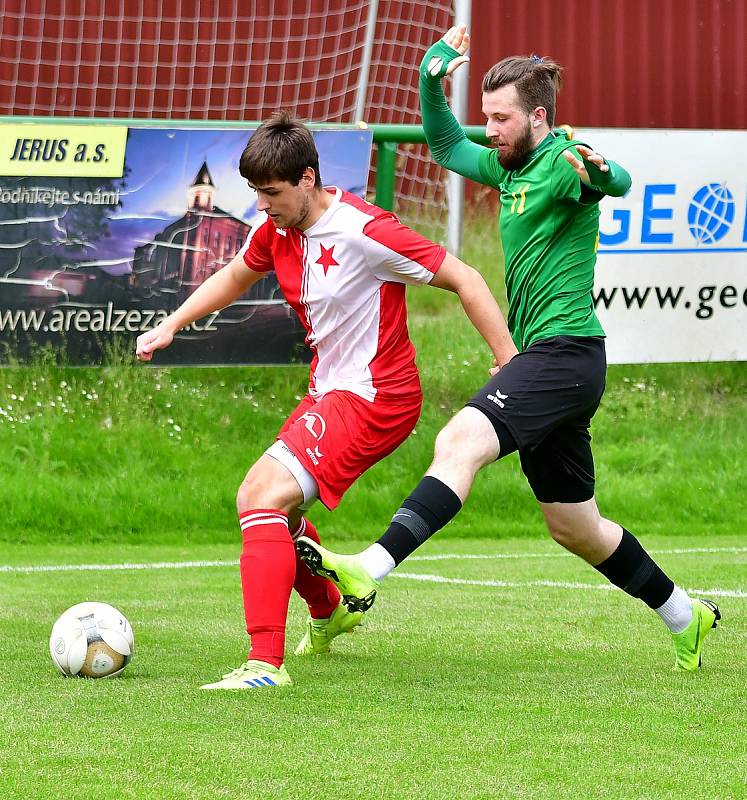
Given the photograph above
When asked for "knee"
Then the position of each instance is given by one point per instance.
(468, 441)
(448, 443)
(249, 493)
(564, 533)
(259, 489)
(572, 533)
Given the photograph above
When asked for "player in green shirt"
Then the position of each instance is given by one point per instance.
(549, 217)
(541, 402)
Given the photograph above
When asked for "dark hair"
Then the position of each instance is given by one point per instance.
(280, 149)
(537, 81)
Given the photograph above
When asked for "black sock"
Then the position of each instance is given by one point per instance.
(424, 512)
(632, 569)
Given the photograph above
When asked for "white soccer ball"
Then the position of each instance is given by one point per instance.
(92, 640)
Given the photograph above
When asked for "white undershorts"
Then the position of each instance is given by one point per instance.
(285, 456)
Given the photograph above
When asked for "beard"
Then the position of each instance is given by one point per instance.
(516, 156)
(302, 214)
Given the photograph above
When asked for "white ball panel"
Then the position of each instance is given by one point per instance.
(116, 632)
(77, 646)
(58, 650)
(116, 640)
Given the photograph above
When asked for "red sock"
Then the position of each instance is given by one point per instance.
(321, 595)
(268, 569)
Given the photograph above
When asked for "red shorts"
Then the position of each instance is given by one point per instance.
(338, 437)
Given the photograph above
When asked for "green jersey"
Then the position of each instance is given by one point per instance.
(549, 220)
(549, 232)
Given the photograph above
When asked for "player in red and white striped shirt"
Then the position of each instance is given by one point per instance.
(343, 265)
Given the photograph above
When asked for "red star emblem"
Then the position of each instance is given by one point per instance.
(327, 258)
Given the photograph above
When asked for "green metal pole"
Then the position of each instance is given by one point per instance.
(416, 135)
(385, 168)
(386, 138)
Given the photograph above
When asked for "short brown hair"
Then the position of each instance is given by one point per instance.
(280, 149)
(537, 81)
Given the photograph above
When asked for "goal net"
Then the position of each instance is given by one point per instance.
(228, 60)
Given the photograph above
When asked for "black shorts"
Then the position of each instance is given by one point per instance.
(541, 404)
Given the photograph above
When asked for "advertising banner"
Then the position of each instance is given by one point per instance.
(671, 276)
(107, 228)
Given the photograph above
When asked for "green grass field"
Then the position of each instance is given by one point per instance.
(133, 454)
(471, 678)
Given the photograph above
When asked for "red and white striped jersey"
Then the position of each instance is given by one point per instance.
(345, 277)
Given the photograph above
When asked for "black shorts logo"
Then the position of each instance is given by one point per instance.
(498, 398)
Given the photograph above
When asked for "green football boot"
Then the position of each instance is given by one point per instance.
(320, 632)
(689, 643)
(357, 587)
(253, 675)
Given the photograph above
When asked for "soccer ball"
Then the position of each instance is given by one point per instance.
(92, 640)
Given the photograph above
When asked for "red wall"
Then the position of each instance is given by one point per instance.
(629, 63)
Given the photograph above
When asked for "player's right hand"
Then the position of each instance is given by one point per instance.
(147, 343)
(589, 157)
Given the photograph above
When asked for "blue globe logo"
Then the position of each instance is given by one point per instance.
(711, 213)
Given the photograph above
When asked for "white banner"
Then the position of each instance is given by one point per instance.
(671, 274)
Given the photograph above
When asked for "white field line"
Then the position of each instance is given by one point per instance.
(714, 592)
(118, 567)
(675, 551)
(414, 576)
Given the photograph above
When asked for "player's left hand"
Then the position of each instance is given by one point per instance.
(458, 38)
(587, 154)
(440, 61)
(502, 360)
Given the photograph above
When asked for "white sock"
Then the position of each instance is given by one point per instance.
(677, 612)
(377, 561)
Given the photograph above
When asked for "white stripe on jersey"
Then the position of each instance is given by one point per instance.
(343, 300)
(307, 308)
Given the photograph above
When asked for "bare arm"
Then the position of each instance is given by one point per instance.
(479, 305)
(218, 291)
